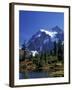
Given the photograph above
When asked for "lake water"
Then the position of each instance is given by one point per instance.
(27, 75)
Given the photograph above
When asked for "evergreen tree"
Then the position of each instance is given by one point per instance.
(31, 57)
(24, 51)
(60, 50)
(24, 46)
(45, 57)
(55, 47)
(41, 56)
(35, 60)
(42, 59)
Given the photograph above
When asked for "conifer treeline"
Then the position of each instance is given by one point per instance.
(43, 58)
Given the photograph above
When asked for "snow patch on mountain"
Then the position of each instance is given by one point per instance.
(50, 33)
(34, 52)
(46, 40)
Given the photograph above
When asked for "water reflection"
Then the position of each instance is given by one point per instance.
(27, 75)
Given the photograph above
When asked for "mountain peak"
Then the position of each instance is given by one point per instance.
(57, 29)
(43, 30)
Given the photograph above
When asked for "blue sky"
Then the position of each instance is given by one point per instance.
(32, 21)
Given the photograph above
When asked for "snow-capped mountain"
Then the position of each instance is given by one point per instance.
(43, 39)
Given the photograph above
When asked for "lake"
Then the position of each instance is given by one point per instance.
(27, 75)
